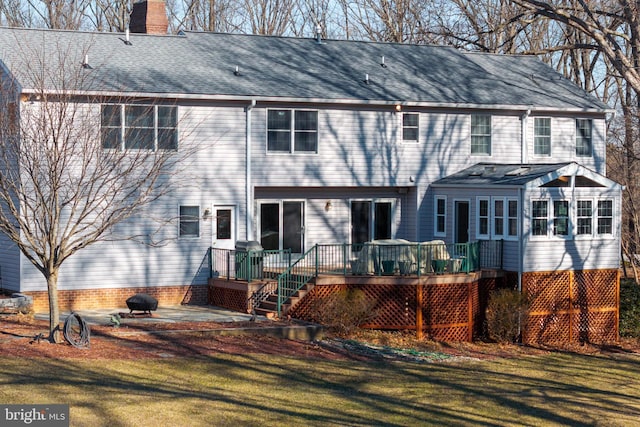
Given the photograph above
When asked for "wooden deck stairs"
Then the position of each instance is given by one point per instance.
(269, 306)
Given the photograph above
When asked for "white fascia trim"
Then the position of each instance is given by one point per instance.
(340, 101)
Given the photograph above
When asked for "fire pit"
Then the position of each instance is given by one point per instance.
(142, 302)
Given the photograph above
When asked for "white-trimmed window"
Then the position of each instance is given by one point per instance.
(584, 217)
(539, 217)
(505, 218)
(139, 127)
(483, 214)
(605, 217)
(480, 134)
(292, 131)
(512, 218)
(498, 218)
(560, 218)
(189, 221)
(410, 127)
(584, 140)
(542, 136)
(440, 226)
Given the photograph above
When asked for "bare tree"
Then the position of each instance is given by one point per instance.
(611, 25)
(62, 188)
(611, 30)
(397, 21)
(204, 15)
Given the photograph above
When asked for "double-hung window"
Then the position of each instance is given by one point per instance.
(480, 134)
(539, 217)
(584, 141)
(483, 218)
(440, 216)
(189, 221)
(292, 131)
(410, 127)
(560, 218)
(505, 218)
(584, 217)
(605, 217)
(498, 217)
(512, 218)
(542, 136)
(139, 127)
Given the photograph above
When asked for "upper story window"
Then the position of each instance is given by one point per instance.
(584, 141)
(292, 131)
(145, 127)
(480, 134)
(410, 127)
(542, 136)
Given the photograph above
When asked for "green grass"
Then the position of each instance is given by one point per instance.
(554, 389)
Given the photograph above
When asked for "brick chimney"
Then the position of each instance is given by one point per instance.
(149, 16)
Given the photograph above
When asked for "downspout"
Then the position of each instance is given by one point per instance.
(523, 160)
(521, 239)
(248, 188)
(523, 136)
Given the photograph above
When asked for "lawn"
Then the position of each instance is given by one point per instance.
(547, 389)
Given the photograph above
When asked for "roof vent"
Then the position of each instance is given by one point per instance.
(236, 71)
(85, 62)
(318, 34)
(366, 79)
(127, 41)
(149, 16)
(382, 64)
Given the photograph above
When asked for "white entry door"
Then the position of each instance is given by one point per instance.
(224, 227)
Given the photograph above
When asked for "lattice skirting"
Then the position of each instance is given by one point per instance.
(572, 306)
(444, 311)
(233, 299)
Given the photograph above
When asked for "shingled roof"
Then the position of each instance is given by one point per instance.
(289, 69)
(519, 175)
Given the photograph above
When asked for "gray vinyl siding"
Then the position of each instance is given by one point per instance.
(214, 176)
(360, 155)
(563, 142)
(9, 264)
(333, 226)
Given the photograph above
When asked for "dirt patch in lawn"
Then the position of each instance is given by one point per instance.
(22, 336)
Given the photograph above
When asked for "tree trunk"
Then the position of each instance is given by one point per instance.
(54, 310)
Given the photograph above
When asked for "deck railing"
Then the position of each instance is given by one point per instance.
(413, 259)
(248, 265)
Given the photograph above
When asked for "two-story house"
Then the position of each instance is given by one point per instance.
(305, 141)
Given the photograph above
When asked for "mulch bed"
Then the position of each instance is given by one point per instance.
(22, 336)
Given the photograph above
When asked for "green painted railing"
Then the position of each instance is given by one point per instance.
(412, 259)
(297, 275)
(247, 265)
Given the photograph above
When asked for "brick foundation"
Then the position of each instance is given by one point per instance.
(83, 299)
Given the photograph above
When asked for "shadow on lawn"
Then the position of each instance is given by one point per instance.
(556, 388)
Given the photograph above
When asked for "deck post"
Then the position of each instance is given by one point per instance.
(419, 322)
